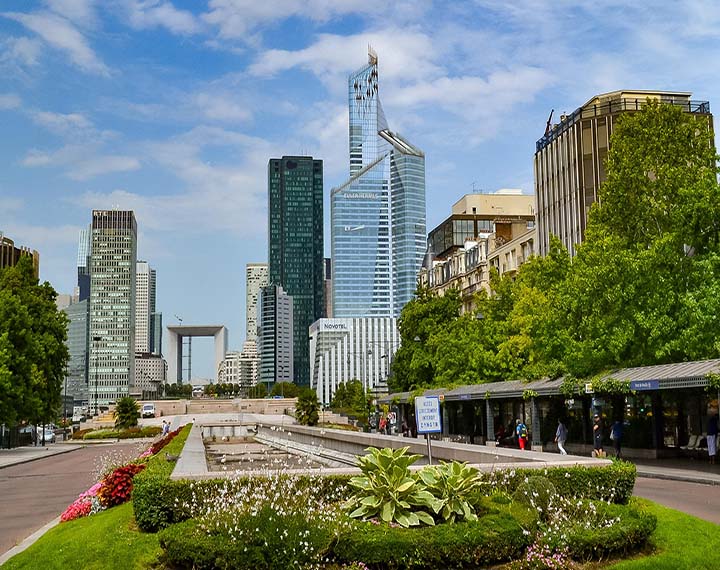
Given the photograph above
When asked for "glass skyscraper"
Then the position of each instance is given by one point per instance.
(295, 193)
(378, 215)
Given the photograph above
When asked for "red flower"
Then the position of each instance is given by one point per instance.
(117, 487)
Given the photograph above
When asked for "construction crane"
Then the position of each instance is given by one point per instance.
(549, 122)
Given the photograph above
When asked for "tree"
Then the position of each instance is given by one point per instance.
(307, 409)
(285, 389)
(33, 355)
(643, 286)
(257, 392)
(423, 317)
(126, 413)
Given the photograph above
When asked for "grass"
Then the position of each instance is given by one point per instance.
(106, 541)
(681, 542)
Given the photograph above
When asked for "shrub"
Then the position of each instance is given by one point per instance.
(612, 483)
(491, 539)
(616, 530)
(260, 540)
(456, 487)
(389, 491)
(80, 433)
(537, 492)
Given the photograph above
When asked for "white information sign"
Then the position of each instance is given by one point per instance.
(427, 414)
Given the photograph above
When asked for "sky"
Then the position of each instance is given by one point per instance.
(173, 109)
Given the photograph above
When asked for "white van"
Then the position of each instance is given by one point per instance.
(148, 411)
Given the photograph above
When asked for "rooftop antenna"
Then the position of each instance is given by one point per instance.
(179, 319)
(372, 56)
(549, 122)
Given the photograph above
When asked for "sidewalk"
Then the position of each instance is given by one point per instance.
(687, 470)
(19, 455)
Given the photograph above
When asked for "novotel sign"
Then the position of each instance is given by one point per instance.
(360, 195)
(335, 327)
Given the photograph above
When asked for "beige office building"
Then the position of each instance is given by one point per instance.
(570, 160)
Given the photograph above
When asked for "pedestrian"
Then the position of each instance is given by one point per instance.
(616, 434)
(561, 436)
(405, 429)
(383, 425)
(597, 436)
(712, 436)
(165, 428)
(521, 432)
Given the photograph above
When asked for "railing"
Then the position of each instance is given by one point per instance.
(591, 111)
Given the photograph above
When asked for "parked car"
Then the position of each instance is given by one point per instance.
(148, 411)
(49, 435)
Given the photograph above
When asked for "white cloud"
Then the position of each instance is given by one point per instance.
(149, 14)
(62, 124)
(20, 51)
(10, 205)
(80, 12)
(81, 162)
(240, 18)
(222, 107)
(9, 101)
(61, 34)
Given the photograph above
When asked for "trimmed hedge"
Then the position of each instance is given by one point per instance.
(151, 489)
(630, 531)
(131, 433)
(160, 502)
(613, 483)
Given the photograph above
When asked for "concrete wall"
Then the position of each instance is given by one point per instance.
(213, 406)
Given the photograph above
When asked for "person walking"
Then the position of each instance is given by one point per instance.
(597, 436)
(712, 436)
(561, 436)
(616, 434)
(522, 433)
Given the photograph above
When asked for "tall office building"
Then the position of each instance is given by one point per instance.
(275, 335)
(256, 277)
(156, 327)
(145, 293)
(10, 254)
(77, 343)
(378, 215)
(570, 160)
(295, 192)
(327, 287)
(83, 264)
(352, 349)
(112, 305)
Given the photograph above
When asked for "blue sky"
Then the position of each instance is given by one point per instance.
(173, 109)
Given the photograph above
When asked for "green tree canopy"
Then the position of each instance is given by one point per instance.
(33, 355)
(286, 389)
(307, 408)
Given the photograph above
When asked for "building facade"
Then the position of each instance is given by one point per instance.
(10, 254)
(256, 277)
(378, 215)
(352, 349)
(145, 287)
(112, 305)
(77, 343)
(570, 160)
(275, 335)
(150, 376)
(241, 368)
(83, 263)
(295, 209)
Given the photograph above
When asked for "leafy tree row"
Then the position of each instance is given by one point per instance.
(642, 289)
(33, 355)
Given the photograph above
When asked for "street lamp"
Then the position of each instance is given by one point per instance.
(96, 340)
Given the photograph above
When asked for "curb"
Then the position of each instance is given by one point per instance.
(677, 477)
(29, 541)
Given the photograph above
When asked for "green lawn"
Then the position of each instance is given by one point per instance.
(106, 541)
(681, 542)
(110, 540)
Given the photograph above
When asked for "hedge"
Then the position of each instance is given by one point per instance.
(147, 431)
(630, 530)
(151, 492)
(613, 483)
(160, 502)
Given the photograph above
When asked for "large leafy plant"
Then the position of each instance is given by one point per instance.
(388, 490)
(455, 486)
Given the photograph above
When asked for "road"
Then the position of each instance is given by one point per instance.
(702, 501)
(32, 494)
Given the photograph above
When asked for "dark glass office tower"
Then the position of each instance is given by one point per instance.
(295, 242)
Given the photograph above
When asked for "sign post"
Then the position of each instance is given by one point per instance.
(427, 417)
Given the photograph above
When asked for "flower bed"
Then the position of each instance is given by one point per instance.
(115, 486)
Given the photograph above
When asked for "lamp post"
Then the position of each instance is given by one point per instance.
(96, 341)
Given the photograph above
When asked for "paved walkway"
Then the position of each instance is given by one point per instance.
(17, 455)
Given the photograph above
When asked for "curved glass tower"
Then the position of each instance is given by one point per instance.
(378, 215)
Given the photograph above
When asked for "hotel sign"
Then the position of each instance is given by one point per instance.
(640, 385)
